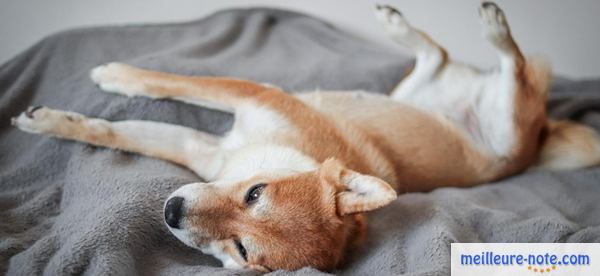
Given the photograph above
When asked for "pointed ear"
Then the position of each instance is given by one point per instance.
(356, 192)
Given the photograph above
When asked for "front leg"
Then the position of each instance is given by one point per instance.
(213, 92)
(195, 150)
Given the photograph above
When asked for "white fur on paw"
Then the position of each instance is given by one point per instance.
(112, 77)
(41, 119)
(392, 20)
(493, 21)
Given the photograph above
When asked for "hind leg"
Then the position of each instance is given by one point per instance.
(496, 30)
(431, 58)
(506, 104)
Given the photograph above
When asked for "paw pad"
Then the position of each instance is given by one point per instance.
(30, 110)
(487, 5)
(389, 9)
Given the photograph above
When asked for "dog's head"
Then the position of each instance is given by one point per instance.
(278, 220)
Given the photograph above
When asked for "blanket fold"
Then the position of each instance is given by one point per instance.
(70, 208)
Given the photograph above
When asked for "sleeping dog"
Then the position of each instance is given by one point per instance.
(288, 186)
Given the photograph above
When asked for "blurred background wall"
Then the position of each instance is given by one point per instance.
(566, 32)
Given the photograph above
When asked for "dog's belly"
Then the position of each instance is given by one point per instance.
(427, 150)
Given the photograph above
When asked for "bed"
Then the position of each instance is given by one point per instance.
(70, 208)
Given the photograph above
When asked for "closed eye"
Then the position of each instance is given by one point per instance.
(241, 249)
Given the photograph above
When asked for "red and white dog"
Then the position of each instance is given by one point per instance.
(288, 184)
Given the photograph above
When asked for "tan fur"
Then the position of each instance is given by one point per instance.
(305, 219)
(568, 145)
(533, 78)
(447, 160)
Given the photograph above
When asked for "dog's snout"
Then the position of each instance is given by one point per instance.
(174, 211)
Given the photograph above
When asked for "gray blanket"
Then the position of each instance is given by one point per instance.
(71, 208)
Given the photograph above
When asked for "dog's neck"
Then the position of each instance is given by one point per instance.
(257, 159)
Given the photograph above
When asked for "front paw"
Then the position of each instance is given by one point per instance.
(33, 120)
(117, 78)
(41, 119)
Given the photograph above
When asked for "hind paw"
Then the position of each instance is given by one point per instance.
(493, 20)
(392, 20)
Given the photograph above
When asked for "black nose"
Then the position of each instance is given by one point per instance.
(173, 211)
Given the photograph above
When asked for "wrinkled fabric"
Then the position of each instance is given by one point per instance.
(71, 208)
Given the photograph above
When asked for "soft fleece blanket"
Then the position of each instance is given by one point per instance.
(71, 208)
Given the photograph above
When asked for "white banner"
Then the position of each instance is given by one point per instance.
(525, 259)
